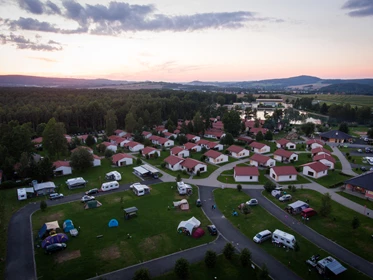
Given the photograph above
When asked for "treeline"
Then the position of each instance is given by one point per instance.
(336, 112)
(83, 110)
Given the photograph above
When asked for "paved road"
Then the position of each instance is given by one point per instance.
(339, 252)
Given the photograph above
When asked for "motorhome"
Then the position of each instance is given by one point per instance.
(284, 238)
(140, 190)
(113, 175)
(184, 188)
(109, 186)
(76, 183)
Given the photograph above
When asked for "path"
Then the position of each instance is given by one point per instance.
(346, 166)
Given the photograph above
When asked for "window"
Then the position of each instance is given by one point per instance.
(287, 242)
(273, 176)
(310, 173)
(251, 177)
(290, 177)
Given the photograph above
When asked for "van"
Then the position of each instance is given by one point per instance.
(113, 175)
(308, 212)
(109, 186)
(283, 238)
(262, 236)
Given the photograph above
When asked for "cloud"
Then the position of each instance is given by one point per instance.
(43, 59)
(32, 6)
(53, 8)
(22, 43)
(360, 8)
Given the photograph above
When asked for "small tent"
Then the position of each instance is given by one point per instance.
(56, 238)
(113, 223)
(47, 227)
(188, 226)
(68, 225)
(92, 204)
(198, 233)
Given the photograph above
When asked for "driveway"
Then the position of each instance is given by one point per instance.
(319, 240)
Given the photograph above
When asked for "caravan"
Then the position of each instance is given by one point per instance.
(76, 183)
(22, 195)
(109, 186)
(280, 237)
(140, 190)
(113, 175)
(184, 188)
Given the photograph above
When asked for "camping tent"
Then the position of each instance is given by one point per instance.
(198, 233)
(56, 238)
(113, 223)
(48, 227)
(297, 206)
(189, 225)
(183, 204)
(92, 204)
(68, 225)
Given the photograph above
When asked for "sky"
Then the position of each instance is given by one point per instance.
(187, 40)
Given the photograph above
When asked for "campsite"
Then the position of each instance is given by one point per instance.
(99, 248)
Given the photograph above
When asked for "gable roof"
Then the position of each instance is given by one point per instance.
(191, 163)
(311, 141)
(260, 158)
(173, 160)
(284, 170)
(202, 142)
(283, 153)
(168, 134)
(132, 144)
(212, 154)
(189, 145)
(176, 150)
(162, 140)
(154, 137)
(190, 136)
(246, 139)
(147, 150)
(145, 133)
(255, 130)
(117, 157)
(246, 171)
(235, 149)
(319, 150)
(257, 145)
(317, 166)
(38, 140)
(82, 147)
(212, 145)
(117, 131)
(335, 134)
(363, 181)
(107, 144)
(214, 132)
(61, 163)
(283, 141)
(324, 156)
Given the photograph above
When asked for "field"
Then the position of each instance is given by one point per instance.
(354, 100)
(153, 233)
(362, 201)
(259, 219)
(333, 179)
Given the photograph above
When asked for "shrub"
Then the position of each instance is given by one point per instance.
(269, 186)
(226, 152)
(245, 257)
(138, 161)
(181, 268)
(296, 247)
(263, 274)
(163, 164)
(347, 154)
(43, 205)
(267, 171)
(141, 274)
(185, 172)
(239, 187)
(228, 251)
(292, 161)
(108, 153)
(198, 173)
(298, 169)
(355, 223)
(178, 178)
(210, 258)
(156, 155)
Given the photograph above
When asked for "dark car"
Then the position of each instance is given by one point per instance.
(92, 191)
(198, 203)
(55, 247)
(212, 230)
(363, 168)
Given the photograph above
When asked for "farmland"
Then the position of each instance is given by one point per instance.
(353, 100)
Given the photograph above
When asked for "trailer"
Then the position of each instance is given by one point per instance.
(140, 190)
(283, 238)
(109, 186)
(183, 188)
(113, 175)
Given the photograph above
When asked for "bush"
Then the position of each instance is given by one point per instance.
(226, 152)
(141, 274)
(185, 172)
(43, 205)
(239, 187)
(210, 258)
(296, 247)
(198, 173)
(269, 186)
(347, 154)
(181, 268)
(178, 178)
(263, 274)
(228, 251)
(163, 165)
(267, 171)
(298, 169)
(138, 161)
(245, 257)
(108, 153)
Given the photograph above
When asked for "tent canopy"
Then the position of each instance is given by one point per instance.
(56, 238)
(189, 225)
(298, 204)
(113, 223)
(198, 233)
(140, 170)
(68, 225)
(336, 267)
(92, 204)
(47, 227)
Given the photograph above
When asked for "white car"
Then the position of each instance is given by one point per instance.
(86, 198)
(135, 184)
(285, 197)
(54, 196)
(252, 202)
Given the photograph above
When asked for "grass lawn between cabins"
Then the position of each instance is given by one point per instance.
(362, 201)
(337, 227)
(154, 233)
(333, 179)
(224, 270)
(259, 219)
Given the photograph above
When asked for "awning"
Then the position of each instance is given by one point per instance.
(336, 267)
(140, 170)
(150, 168)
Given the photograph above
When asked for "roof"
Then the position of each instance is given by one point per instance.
(189, 145)
(37, 140)
(320, 150)
(324, 156)
(96, 157)
(363, 181)
(173, 159)
(317, 166)
(147, 150)
(162, 140)
(82, 147)
(107, 144)
(117, 131)
(132, 144)
(214, 133)
(177, 131)
(145, 133)
(118, 157)
(117, 139)
(235, 149)
(283, 141)
(255, 130)
(283, 153)
(176, 150)
(284, 170)
(335, 134)
(212, 154)
(318, 141)
(202, 142)
(257, 145)
(168, 134)
(212, 145)
(61, 163)
(246, 171)
(298, 204)
(260, 158)
(154, 137)
(190, 136)
(45, 185)
(191, 163)
(246, 139)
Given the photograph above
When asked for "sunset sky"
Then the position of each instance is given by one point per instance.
(178, 40)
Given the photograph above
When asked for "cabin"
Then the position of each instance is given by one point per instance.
(260, 148)
(179, 152)
(262, 161)
(150, 152)
(122, 159)
(283, 173)
(238, 152)
(326, 159)
(314, 143)
(285, 144)
(246, 174)
(193, 166)
(62, 168)
(315, 169)
(335, 136)
(215, 157)
(285, 156)
(173, 162)
(134, 146)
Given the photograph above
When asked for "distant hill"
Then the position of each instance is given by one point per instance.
(348, 87)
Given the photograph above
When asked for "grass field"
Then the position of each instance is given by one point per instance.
(354, 100)
(154, 233)
(258, 220)
(333, 179)
(337, 226)
(362, 201)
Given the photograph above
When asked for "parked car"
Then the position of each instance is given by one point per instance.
(285, 197)
(55, 247)
(198, 203)
(359, 150)
(92, 191)
(212, 229)
(368, 150)
(86, 198)
(308, 212)
(252, 202)
(54, 196)
(363, 168)
(262, 236)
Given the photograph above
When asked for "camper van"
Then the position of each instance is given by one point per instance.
(22, 195)
(113, 175)
(109, 186)
(140, 190)
(281, 237)
(184, 188)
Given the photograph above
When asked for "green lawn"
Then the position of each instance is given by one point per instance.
(153, 233)
(337, 227)
(258, 220)
(300, 180)
(303, 158)
(223, 270)
(332, 180)
(210, 168)
(358, 200)
(227, 178)
(95, 177)
(157, 161)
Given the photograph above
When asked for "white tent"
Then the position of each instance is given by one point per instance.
(178, 203)
(189, 225)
